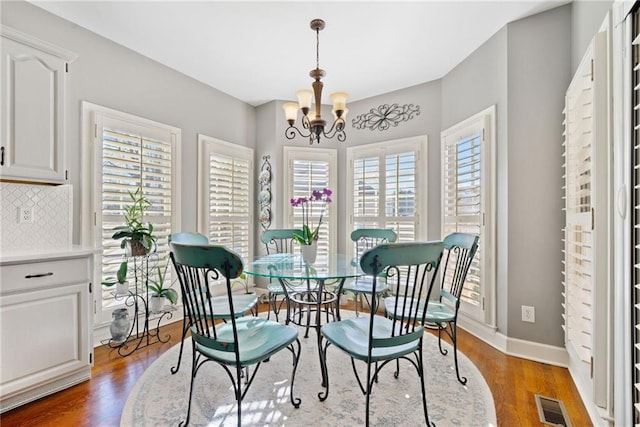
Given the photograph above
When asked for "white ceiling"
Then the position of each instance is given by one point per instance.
(263, 50)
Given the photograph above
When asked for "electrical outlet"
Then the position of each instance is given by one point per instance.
(25, 214)
(528, 314)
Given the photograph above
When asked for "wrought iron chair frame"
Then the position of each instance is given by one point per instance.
(412, 267)
(196, 267)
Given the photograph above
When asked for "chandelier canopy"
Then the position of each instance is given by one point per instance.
(312, 122)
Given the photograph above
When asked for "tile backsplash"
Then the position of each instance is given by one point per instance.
(50, 209)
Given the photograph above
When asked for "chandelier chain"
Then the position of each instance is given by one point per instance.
(317, 48)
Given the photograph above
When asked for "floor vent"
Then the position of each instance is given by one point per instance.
(552, 411)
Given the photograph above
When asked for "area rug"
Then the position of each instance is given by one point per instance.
(160, 398)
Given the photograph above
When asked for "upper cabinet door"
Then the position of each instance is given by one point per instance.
(33, 109)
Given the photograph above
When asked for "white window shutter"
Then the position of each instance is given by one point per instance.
(133, 154)
(462, 199)
(226, 205)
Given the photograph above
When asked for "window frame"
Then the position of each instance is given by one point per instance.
(208, 145)
(381, 150)
(330, 155)
(485, 123)
(91, 218)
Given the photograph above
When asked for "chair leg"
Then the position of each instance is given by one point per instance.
(441, 328)
(454, 338)
(185, 326)
(420, 369)
(239, 371)
(194, 369)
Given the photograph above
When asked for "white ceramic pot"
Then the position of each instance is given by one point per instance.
(122, 288)
(156, 303)
(309, 252)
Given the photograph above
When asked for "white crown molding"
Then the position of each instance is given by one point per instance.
(37, 43)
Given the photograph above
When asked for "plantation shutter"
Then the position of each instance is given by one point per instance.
(635, 220)
(229, 204)
(586, 236)
(133, 155)
(309, 175)
(385, 188)
(366, 192)
(578, 232)
(400, 194)
(462, 208)
(227, 209)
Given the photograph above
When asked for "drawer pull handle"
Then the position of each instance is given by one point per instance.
(31, 276)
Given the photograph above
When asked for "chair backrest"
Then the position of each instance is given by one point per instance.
(369, 238)
(196, 266)
(279, 241)
(459, 250)
(412, 268)
(189, 238)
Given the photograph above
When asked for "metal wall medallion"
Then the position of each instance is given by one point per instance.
(264, 196)
(385, 115)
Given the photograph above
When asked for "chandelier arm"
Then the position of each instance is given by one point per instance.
(292, 131)
(336, 127)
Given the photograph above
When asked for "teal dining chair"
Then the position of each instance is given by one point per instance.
(242, 304)
(238, 344)
(277, 241)
(459, 251)
(365, 239)
(378, 340)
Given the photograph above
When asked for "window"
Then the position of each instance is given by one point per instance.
(386, 187)
(225, 194)
(312, 169)
(467, 200)
(130, 152)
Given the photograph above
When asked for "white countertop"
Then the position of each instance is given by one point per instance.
(13, 256)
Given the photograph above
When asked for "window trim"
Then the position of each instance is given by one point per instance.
(227, 149)
(381, 149)
(91, 213)
(330, 155)
(485, 120)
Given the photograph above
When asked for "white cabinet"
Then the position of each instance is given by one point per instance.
(34, 78)
(45, 326)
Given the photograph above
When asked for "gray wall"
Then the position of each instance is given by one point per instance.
(477, 83)
(110, 75)
(586, 18)
(537, 80)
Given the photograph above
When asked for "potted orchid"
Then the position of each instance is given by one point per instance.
(308, 236)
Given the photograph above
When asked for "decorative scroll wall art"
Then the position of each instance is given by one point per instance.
(385, 115)
(264, 196)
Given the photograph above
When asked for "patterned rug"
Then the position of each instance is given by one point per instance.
(160, 399)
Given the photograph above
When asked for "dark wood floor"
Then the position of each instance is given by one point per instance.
(99, 401)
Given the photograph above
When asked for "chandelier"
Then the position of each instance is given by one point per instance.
(312, 122)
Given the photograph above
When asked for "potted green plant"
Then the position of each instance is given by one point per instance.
(121, 282)
(138, 237)
(158, 291)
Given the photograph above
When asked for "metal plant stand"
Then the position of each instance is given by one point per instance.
(141, 334)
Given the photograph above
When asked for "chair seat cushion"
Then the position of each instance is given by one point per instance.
(438, 312)
(364, 286)
(242, 304)
(352, 336)
(258, 339)
(407, 307)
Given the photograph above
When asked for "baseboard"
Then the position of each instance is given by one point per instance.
(529, 350)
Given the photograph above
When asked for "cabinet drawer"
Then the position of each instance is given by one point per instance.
(26, 276)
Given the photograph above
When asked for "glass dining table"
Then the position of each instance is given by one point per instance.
(311, 290)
